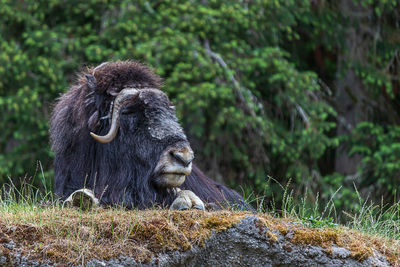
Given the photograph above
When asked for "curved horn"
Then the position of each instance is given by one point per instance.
(120, 99)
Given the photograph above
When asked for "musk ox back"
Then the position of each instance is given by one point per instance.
(116, 132)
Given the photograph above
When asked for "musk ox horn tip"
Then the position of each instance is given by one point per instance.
(102, 139)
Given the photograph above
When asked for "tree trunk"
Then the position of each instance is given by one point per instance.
(351, 95)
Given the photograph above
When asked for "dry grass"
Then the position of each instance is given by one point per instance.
(69, 235)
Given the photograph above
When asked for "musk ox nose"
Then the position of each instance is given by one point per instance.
(182, 155)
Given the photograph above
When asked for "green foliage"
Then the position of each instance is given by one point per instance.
(241, 99)
(344, 189)
(361, 38)
(246, 79)
(319, 222)
(380, 150)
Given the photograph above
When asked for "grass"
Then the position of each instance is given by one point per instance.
(43, 229)
(71, 235)
(382, 220)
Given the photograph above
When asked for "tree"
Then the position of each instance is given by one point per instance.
(263, 89)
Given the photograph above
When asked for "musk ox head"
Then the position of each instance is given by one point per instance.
(117, 133)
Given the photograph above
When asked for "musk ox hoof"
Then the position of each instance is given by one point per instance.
(83, 199)
(186, 199)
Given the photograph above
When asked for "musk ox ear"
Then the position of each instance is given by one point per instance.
(91, 82)
(93, 98)
(93, 120)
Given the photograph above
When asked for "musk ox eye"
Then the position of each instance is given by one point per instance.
(128, 110)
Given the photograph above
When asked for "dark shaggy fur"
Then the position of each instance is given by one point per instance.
(121, 172)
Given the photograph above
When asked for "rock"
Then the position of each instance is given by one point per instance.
(9, 245)
(248, 243)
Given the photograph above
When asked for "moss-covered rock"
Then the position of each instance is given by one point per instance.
(112, 237)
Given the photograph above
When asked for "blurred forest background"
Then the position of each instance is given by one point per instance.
(289, 91)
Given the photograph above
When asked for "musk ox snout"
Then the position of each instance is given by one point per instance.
(183, 155)
(174, 165)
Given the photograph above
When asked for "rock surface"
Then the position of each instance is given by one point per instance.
(245, 244)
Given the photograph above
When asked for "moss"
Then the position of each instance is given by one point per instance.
(69, 235)
(261, 223)
(315, 237)
(360, 245)
(219, 223)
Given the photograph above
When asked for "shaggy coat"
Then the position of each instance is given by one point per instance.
(122, 171)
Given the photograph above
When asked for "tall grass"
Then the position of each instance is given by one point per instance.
(377, 219)
(382, 219)
(26, 194)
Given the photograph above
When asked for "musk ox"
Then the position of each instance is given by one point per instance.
(115, 132)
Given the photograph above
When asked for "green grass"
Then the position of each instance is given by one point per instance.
(374, 219)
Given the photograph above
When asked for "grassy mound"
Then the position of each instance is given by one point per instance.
(71, 236)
